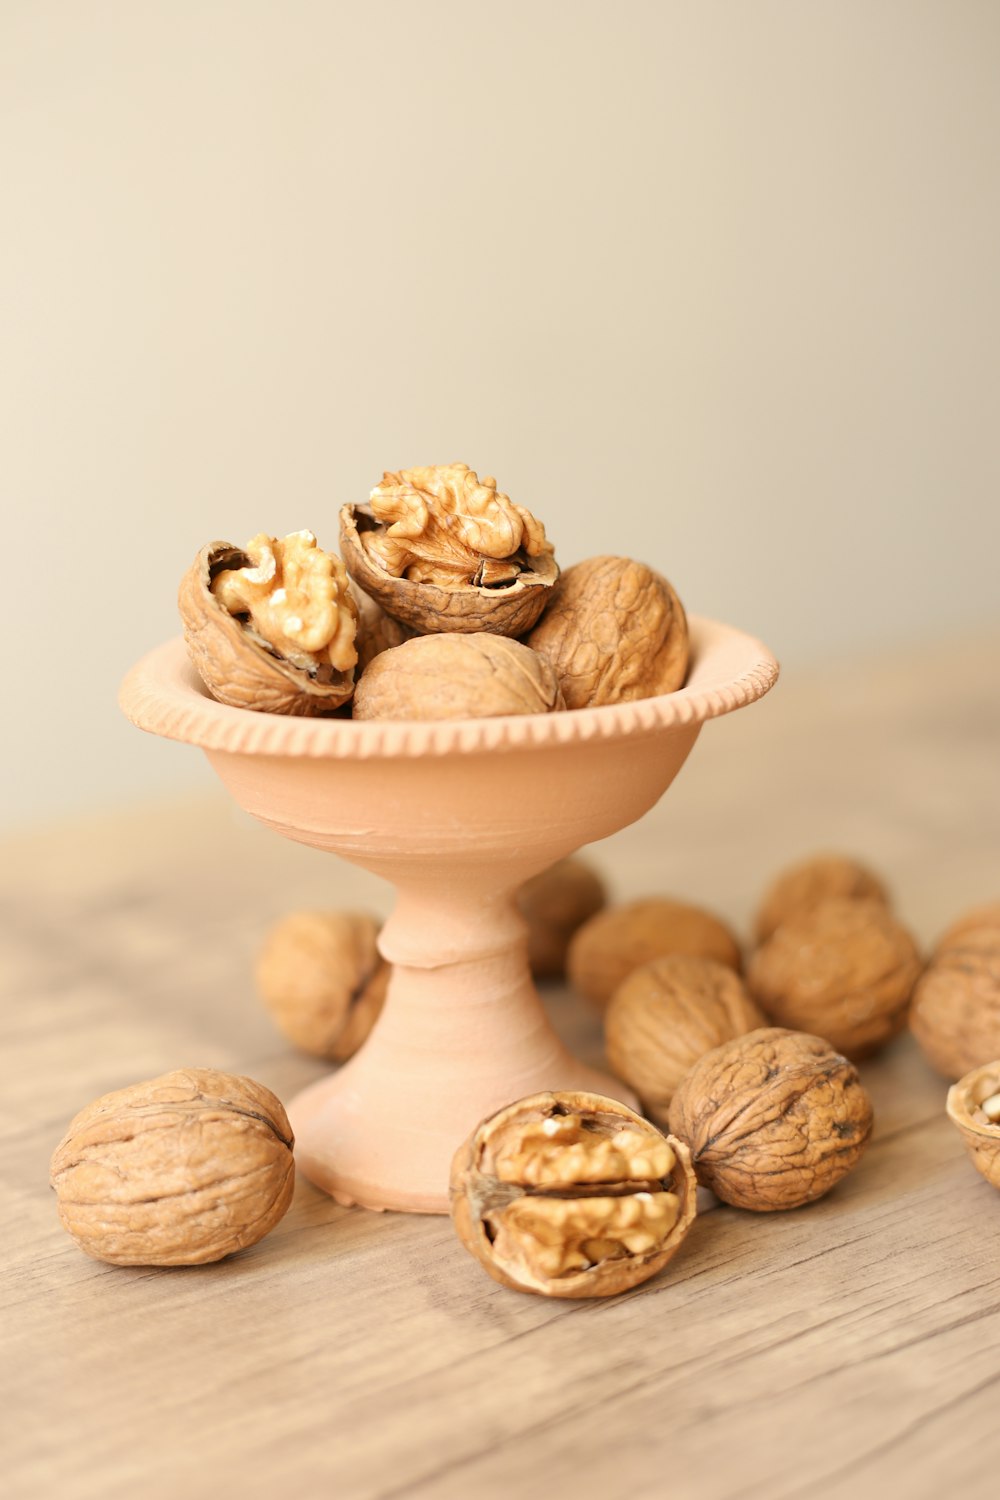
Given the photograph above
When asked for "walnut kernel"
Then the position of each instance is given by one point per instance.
(773, 1119)
(178, 1171)
(322, 978)
(611, 944)
(805, 885)
(453, 676)
(665, 1016)
(844, 970)
(527, 1199)
(614, 631)
(554, 904)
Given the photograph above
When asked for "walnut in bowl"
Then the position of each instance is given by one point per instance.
(440, 549)
(456, 676)
(271, 625)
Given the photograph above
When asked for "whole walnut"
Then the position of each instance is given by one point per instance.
(955, 1015)
(554, 904)
(270, 626)
(805, 885)
(665, 1016)
(844, 970)
(177, 1171)
(614, 630)
(974, 1109)
(450, 676)
(571, 1195)
(773, 1119)
(441, 549)
(610, 945)
(322, 978)
(984, 921)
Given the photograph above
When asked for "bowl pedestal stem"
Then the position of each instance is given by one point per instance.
(463, 1033)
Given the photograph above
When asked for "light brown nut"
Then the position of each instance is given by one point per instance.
(610, 945)
(441, 550)
(322, 978)
(844, 970)
(571, 1195)
(614, 631)
(805, 885)
(982, 919)
(177, 1171)
(955, 1015)
(773, 1119)
(665, 1016)
(244, 668)
(456, 677)
(974, 1109)
(554, 904)
(377, 631)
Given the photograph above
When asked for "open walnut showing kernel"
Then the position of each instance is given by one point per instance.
(571, 1195)
(271, 625)
(440, 549)
(974, 1109)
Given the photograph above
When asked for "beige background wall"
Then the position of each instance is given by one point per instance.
(711, 284)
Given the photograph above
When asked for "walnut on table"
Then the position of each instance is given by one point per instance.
(805, 885)
(555, 904)
(773, 1119)
(177, 1171)
(322, 978)
(442, 550)
(455, 676)
(614, 630)
(974, 1109)
(607, 948)
(665, 1016)
(571, 1195)
(271, 626)
(955, 1015)
(844, 970)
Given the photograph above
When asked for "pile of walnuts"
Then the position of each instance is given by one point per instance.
(447, 603)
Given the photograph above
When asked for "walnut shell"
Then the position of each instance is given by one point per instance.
(614, 631)
(980, 919)
(456, 677)
(527, 1199)
(974, 1109)
(955, 1015)
(610, 945)
(665, 1016)
(377, 631)
(322, 978)
(508, 609)
(554, 904)
(773, 1119)
(237, 667)
(178, 1171)
(844, 970)
(805, 885)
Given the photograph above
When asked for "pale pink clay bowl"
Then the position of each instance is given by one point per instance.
(457, 815)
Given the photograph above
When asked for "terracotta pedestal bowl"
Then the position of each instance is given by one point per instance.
(457, 815)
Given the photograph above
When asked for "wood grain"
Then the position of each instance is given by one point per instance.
(847, 1349)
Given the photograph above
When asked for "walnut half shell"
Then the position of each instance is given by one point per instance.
(974, 1109)
(238, 666)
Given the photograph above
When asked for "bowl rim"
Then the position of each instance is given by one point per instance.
(163, 695)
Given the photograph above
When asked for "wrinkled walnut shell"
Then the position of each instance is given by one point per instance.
(554, 904)
(773, 1119)
(427, 607)
(981, 920)
(844, 970)
(492, 1184)
(322, 978)
(980, 1134)
(178, 1171)
(955, 1015)
(665, 1016)
(377, 631)
(233, 663)
(608, 947)
(614, 631)
(805, 885)
(451, 676)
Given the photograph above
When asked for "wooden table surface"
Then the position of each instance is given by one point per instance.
(850, 1348)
